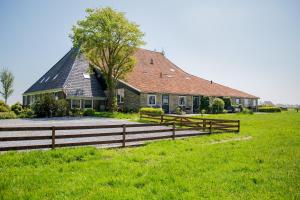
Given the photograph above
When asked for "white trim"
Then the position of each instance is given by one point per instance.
(151, 95)
(43, 92)
(184, 100)
(129, 85)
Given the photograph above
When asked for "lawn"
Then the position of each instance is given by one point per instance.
(262, 162)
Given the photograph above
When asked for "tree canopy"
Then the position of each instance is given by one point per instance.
(7, 81)
(108, 40)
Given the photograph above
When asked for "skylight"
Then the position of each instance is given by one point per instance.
(172, 70)
(42, 80)
(47, 79)
(55, 76)
(86, 75)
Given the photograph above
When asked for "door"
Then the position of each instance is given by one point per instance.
(196, 104)
(165, 103)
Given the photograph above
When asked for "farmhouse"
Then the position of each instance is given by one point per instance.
(154, 82)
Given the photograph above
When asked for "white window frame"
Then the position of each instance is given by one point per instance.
(119, 91)
(148, 98)
(72, 107)
(88, 100)
(184, 100)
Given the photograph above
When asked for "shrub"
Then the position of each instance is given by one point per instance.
(4, 108)
(26, 113)
(269, 109)
(62, 107)
(152, 111)
(204, 103)
(178, 111)
(17, 108)
(217, 105)
(247, 111)
(76, 112)
(7, 115)
(44, 106)
(89, 112)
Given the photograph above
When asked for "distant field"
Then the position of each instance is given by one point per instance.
(262, 162)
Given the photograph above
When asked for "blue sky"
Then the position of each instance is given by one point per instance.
(252, 45)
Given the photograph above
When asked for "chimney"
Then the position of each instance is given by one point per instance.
(161, 75)
(151, 61)
(211, 82)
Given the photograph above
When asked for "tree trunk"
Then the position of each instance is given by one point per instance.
(110, 95)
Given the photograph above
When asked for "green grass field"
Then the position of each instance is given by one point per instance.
(262, 162)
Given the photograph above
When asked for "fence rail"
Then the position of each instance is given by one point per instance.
(176, 126)
(216, 125)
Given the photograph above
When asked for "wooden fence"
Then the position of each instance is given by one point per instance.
(216, 125)
(175, 126)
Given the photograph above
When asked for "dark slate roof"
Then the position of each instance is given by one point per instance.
(67, 74)
(77, 85)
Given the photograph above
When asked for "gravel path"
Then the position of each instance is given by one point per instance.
(82, 121)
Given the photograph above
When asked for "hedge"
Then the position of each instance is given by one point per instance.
(152, 111)
(7, 115)
(269, 109)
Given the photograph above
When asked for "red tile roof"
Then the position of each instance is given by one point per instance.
(162, 76)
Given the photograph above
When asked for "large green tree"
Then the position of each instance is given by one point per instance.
(7, 81)
(108, 40)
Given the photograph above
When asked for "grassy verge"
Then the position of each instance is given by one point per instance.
(119, 115)
(262, 162)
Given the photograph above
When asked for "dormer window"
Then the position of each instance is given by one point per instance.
(86, 76)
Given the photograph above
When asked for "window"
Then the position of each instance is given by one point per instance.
(42, 80)
(182, 100)
(88, 104)
(246, 102)
(75, 103)
(151, 100)
(237, 101)
(120, 95)
(47, 79)
(254, 102)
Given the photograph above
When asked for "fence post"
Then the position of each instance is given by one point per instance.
(173, 131)
(53, 137)
(161, 119)
(210, 127)
(204, 125)
(124, 132)
(239, 126)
